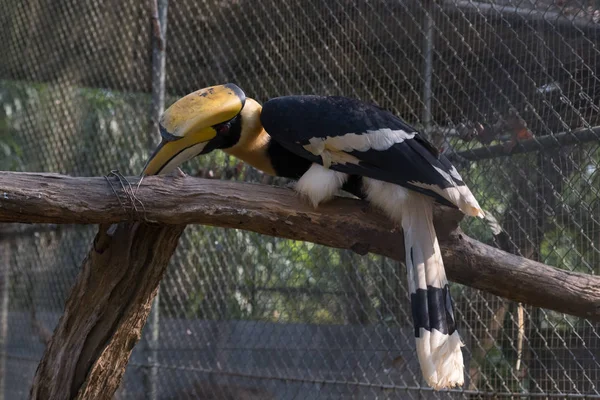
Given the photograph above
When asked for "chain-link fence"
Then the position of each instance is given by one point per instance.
(509, 89)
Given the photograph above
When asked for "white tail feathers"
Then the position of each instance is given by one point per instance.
(438, 343)
(440, 358)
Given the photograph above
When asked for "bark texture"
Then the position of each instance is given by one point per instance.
(139, 231)
(105, 312)
(344, 223)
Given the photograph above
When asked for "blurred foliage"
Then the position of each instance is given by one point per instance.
(10, 151)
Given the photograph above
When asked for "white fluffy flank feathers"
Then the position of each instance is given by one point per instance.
(319, 184)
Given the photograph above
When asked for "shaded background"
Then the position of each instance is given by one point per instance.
(509, 89)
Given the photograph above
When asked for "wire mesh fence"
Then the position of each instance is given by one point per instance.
(510, 90)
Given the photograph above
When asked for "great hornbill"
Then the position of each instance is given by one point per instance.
(332, 143)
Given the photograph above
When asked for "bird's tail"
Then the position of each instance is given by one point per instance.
(438, 342)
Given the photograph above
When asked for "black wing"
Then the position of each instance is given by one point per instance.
(413, 162)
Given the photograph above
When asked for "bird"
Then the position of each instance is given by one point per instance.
(332, 143)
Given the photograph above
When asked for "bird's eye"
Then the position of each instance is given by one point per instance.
(223, 129)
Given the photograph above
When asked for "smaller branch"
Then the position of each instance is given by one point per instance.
(520, 14)
(520, 335)
(527, 146)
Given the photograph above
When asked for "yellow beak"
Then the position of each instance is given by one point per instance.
(188, 125)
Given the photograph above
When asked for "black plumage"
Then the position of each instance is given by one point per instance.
(292, 121)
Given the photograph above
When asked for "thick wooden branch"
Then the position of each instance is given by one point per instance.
(343, 223)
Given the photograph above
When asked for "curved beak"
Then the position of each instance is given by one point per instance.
(189, 124)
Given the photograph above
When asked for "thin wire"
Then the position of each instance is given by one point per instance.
(130, 194)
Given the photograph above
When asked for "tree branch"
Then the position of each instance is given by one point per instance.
(547, 142)
(343, 223)
(519, 14)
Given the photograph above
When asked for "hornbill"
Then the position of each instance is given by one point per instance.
(332, 143)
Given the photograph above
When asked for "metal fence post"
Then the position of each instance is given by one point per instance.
(5, 249)
(153, 340)
(159, 40)
(427, 66)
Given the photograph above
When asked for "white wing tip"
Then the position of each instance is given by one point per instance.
(468, 204)
(474, 211)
